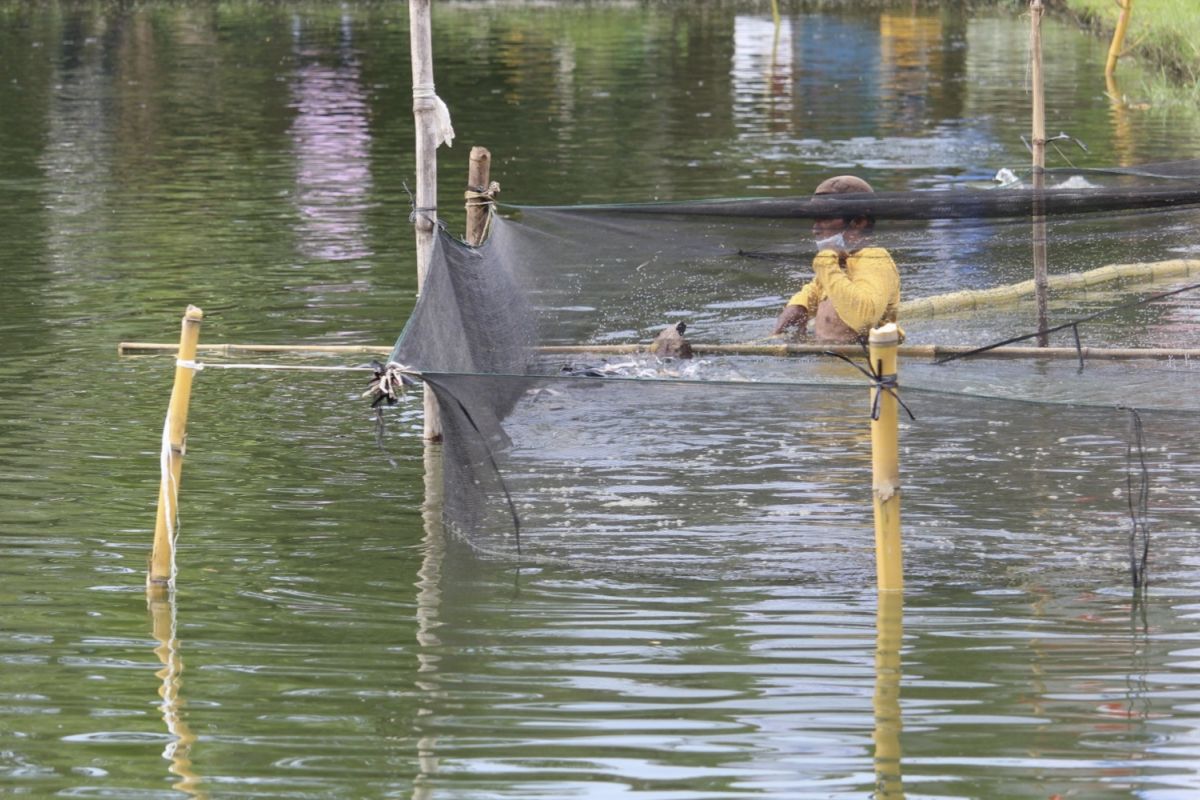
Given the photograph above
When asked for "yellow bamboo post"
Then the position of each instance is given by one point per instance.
(1040, 280)
(162, 558)
(889, 635)
(479, 204)
(885, 459)
(425, 111)
(1118, 40)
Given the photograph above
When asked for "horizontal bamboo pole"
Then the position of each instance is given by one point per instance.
(750, 349)
(971, 299)
(150, 348)
(905, 350)
(953, 302)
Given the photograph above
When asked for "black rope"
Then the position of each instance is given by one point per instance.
(1139, 502)
(883, 383)
(1078, 346)
(1072, 324)
(380, 437)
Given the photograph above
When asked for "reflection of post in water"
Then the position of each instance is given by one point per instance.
(429, 598)
(889, 631)
(178, 751)
(1122, 129)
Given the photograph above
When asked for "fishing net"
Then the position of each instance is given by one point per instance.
(567, 440)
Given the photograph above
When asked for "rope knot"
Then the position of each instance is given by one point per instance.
(882, 383)
(479, 196)
(389, 382)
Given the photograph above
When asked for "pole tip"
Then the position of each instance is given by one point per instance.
(885, 334)
(193, 312)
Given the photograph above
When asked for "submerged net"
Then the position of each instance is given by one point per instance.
(567, 441)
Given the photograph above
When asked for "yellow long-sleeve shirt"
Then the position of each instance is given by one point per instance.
(865, 294)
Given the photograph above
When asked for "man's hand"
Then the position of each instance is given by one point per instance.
(791, 317)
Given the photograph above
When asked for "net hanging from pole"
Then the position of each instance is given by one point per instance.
(760, 467)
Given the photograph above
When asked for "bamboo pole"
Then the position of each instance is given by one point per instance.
(752, 349)
(1118, 40)
(147, 348)
(971, 299)
(889, 636)
(425, 218)
(885, 459)
(479, 206)
(162, 557)
(932, 351)
(1039, 168)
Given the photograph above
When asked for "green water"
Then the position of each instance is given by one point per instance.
(252, 159)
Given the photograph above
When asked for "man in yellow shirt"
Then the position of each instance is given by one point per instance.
(855, 287)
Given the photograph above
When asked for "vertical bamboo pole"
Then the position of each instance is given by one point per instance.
(1118, 40)
(478, 209)
(424, 113)
(162, 558)
(885, 461)
(1040, 280)
(889, 635)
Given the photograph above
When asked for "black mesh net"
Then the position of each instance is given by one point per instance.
(567, 440)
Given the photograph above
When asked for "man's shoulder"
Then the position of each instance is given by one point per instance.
(877, 254)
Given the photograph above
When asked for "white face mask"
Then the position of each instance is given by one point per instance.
(836, 242)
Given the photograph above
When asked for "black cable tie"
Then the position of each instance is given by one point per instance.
(883, 383)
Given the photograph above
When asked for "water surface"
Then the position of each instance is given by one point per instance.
(325, 641)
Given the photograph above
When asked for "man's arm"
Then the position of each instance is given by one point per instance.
(791, 317)
(797, 311)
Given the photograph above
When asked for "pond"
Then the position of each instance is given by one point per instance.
(325, 639)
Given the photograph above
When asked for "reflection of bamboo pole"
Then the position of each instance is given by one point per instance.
(429, 599)
(1039, 167)
(889, 634)
(1123, 139)
(1118, 40)
(162, 612)
(162, 558)
(885, 459)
